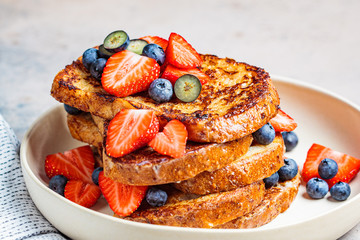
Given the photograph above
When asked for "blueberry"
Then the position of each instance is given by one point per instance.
(290, 139)
(340, 191)
(317, 188)
(161, 90)
(71, 110)
(89, 56)
(272, 180)
(156, 197)
(328, 168)
(265, 135)
(154, 51)
(57, 184)
(288, 171)
(103, 53)
(95, 175)
(187, 88)
(137, 46)
(116, 41)
(97, 68)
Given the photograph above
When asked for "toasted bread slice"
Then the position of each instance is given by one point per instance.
(259, 162)
(237, 100)
(277, 200)
(187, 210)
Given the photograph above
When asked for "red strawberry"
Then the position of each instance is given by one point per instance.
(172, 73)
(172, 140)
(123, 199)
(129, 130)
(84, 194)
(75, 164)
(283, 122)
(157, 40)
(348, 166)
(127, 73)
(181, 54)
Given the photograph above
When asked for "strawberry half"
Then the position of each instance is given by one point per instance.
(348, 166)
(129, 130)
(127, 73)
(84, 194)
(283, 122)
(123, 199)
(181, 54)
(172, 73)
(74, 164)
(157, 40)
(172, 140)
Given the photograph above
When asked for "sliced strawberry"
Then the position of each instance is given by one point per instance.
(283, 122)
(84, 194)
(74, 164)
(172, 140)
(129, 130)
(348, 166)
(123, 199)
(172, 73)
(127, 73)
(157, 40)
(181, 54)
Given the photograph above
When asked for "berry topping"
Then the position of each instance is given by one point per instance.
(97, 68)
(154, 51)
(290, 140)
(173, 73)
(77, 164)
(288, 171)
(156, 197)
(187, 88)
(348, 166)
(283, 122)
(137, 46)
(84, 194)
(272, 180)
(89, 56)
(71, 110)
(172, 140)
(328, 168)
(123, 199)
(340, 191)
(95, 175)
(57, 184)
(161, 90)
(265, 135)
(157, 40)
(129, 130)
(116, 41)
(317, 188)
(103, 53)
(127, 73)
(181, 54)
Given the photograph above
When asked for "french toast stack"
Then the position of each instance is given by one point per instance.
(218, 182)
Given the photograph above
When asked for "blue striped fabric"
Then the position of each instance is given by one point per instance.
(19, 217)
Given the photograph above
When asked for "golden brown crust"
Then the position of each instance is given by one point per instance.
(147, 167)
(237, 101)
(259, 162)
(205, 211)
(277, 200)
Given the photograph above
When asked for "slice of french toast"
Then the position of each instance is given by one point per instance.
(237, 100)
(277, 200)
(189, 210)
(148, 167)
(259, 162)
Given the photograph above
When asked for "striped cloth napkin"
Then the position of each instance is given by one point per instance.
(19, 217)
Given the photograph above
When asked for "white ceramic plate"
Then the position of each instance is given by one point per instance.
(322, 117)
